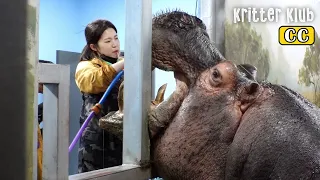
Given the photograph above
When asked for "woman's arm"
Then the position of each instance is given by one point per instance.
(91, 78)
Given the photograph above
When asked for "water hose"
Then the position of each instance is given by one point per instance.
(95, 110)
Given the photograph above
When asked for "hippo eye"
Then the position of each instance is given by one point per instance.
(216, 74)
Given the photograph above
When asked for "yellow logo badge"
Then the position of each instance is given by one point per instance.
(296, 35)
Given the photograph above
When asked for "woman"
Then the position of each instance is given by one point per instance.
(98, 66)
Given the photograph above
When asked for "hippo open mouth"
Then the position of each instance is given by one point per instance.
(181, 44)
(212, 108)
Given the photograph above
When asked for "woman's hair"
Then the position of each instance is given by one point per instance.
(93, 33)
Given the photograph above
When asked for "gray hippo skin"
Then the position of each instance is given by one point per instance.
(219, 124)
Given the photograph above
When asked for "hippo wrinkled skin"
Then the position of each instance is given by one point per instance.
(220, 123)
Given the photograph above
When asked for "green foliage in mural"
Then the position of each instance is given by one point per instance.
(244, 45)
(309, 73)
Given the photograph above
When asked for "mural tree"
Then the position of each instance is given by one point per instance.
(244, 45)
(309, 73)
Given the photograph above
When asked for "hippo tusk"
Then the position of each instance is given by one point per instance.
(161, 115)
(113, 121)
(120, 97)
(160, 94)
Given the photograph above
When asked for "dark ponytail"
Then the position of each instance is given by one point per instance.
(87, 54)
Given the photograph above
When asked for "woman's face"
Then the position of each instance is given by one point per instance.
(109, 44)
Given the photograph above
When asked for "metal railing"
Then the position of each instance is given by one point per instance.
(56, 81)
(56, 87)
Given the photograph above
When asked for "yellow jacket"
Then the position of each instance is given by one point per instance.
(39, 152)
(94, 76)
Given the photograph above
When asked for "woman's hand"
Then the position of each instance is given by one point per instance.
(118, 66)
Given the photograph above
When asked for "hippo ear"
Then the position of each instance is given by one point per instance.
(249, 70)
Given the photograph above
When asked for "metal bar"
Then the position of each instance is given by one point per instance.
(49, 73)
(123, 172)
(137, 89)
(212, 13)
(33, 56)
(13, 90)
(220, 16)
(35, 125)
(50, 132)
(63, 122)
(206, 8)
(56, 79)
(72, 59)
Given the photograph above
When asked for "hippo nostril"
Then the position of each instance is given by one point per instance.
(252, 88)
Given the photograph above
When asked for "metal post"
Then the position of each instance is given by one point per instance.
(50, 116)
(32, 86)
(137, 80)
(212, 13)
(56, 80)
(13, 90)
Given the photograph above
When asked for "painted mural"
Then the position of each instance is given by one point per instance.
(257, 43)
(32, 59)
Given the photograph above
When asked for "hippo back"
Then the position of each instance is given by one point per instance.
(277, 139)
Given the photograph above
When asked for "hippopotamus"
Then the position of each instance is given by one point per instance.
(220, 123)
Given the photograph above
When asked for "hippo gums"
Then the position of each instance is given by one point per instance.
(219, 124)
